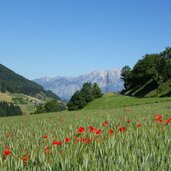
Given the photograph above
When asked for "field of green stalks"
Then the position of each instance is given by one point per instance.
(124, 138)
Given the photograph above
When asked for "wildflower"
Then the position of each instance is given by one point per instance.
(111, 131)
(45, 136)
(67, 140)
(168, 120)
(98, 132)
(59, 143)
(92, 129)
(160, 120)
(25, 158)
(7, 152)
(139, 125)
(81, 130)
(88, 140)
(128, 121)
(105, 123)
(158, 117)
(122, 129)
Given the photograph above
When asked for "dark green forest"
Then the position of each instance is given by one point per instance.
(152, 73)
(9, 109)
(14, 83)
(81, 98)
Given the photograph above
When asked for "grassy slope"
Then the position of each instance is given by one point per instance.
(163, 90)
(111, 101)
(26, 108)
(5, 97)
(147, 90)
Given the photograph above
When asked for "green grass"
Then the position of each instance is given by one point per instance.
(22, 100)
(112, 101)
(27, 109)
(5, 97)
(139, 148)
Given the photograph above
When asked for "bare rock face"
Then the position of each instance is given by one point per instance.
(65, 87)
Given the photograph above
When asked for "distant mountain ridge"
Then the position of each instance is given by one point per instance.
(15, 83)
(65, 87)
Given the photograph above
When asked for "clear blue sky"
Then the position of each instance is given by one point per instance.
(72, 37)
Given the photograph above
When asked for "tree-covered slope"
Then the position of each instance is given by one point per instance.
(15, 83)
(151, 76)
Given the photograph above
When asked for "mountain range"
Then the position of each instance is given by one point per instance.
(65, 87)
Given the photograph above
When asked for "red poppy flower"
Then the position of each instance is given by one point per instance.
(168, 120)
(122, 129)
(106, 122)
(67, 140)
(88, 140)
(98, 131)
(92, 129)
(111, 131)
(7, 152)
(25, 158)
(81, 129)
(129, 121)
(59, 143)
(158, 116)
(160, 120)
(139, 125)
(44, 136)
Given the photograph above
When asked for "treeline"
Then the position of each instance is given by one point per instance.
(9, 109)
(51, 106)
(14, 83)
(153, 69)
(81, 98)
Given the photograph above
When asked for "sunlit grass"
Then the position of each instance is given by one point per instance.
(140, 148)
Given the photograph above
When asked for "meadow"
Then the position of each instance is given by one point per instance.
(136, 136)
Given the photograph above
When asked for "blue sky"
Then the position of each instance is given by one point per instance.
(72, 37)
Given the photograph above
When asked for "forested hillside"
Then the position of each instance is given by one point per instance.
(14, 83)
(151, 76)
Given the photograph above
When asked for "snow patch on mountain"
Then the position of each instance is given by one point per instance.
(65, 87)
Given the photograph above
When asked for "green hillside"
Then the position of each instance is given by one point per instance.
(112, 101)
(22, 92)
(14, 83)
(150, 76)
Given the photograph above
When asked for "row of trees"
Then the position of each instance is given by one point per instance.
(9, 109)
(51, 106)
(80, 98)
(153, 67)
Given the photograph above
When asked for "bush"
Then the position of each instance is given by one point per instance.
(51, 106)
(9, 109)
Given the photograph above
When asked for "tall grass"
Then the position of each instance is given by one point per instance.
(30, 140)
